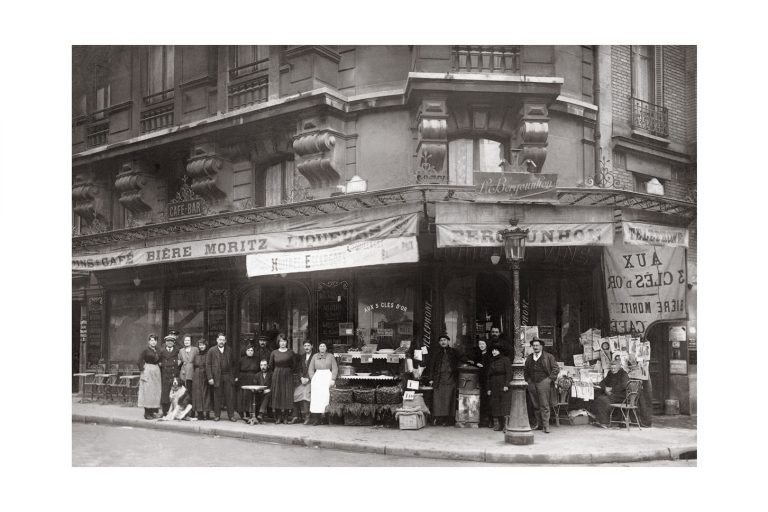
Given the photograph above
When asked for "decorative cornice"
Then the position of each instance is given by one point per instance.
(129, 183)
(324, 51)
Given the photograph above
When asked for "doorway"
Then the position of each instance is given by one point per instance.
(494, 305)
(75, 345)
(273, 308)
(658, 367)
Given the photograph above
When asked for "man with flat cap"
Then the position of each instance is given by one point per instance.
(169, 369)
(541, 371)
(443, 374)
(262, 350)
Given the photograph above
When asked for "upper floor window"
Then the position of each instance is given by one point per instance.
(159, 73)
(648, 111)
(245, 60)
(466, 156)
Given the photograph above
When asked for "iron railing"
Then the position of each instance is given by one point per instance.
(485, 59)
(649, 117)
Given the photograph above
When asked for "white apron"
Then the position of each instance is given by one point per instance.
(321, 391)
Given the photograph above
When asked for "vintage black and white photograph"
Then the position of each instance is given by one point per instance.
(398, 254)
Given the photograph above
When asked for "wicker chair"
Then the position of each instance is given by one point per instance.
(628, 406)
(563, 388)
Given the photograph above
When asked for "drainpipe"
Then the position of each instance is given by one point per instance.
(596, 99)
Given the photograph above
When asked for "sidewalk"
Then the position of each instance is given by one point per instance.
(669, 439)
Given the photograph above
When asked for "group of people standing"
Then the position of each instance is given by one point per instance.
(295, 387)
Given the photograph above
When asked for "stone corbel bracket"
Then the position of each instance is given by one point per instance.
(534, 131)
(130, 183)
(432, 125)
(84, 200)
(203, 167)
(318, 157)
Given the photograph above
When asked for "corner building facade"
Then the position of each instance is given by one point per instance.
(354, 194)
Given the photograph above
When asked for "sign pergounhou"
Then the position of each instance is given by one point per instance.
(497, 186)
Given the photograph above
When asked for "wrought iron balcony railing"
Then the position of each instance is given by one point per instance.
(649, 117)
(486, 59)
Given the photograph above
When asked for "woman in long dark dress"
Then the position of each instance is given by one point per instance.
(149, 382)
(245, 375)
(499, 382)
(281, 362)
(480, 356)
(443, 373)
(202, 394)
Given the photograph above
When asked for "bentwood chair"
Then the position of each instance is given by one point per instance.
(563, 388)
(89, 387)
(628, 406)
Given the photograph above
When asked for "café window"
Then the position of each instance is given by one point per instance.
(466, 156)
(186, 311)
(459, 303)
(133, 315)
(385, 306)
(275, 309)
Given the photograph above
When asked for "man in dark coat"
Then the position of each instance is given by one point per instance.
(507, 348)
(541, 371)
(169, 369)
(301, 391)
(220, 369)
(263, 349)
(263, 378)
(443, 374)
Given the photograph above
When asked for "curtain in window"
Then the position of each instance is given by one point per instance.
(273, 185)
(642, 72)
(459, 311)
(460, 158)
(159, 69)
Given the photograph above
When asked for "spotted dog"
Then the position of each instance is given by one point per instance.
(181, 403)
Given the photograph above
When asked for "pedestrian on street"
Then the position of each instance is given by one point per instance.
(149, 382)
(499, 382)
(614, 390)
(281, 362)
(540, 372)
(186, 358)
(201, 392)
(169, 370)
(219, 368)
(245, 375)
(302, 390)
(443, 373)
(323, 371)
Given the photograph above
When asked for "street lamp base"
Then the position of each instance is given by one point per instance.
(519, 438)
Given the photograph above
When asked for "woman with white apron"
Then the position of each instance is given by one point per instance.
(322, 372)
(149, 382)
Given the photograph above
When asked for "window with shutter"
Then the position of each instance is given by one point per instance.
(648, 111)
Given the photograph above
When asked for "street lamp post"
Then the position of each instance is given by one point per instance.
(518, 430)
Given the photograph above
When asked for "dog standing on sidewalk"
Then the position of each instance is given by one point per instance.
(181, 403)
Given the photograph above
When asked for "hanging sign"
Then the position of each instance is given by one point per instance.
(640, 233)
(539, 235)
(343, 237)
(644, 284)
(358, 254)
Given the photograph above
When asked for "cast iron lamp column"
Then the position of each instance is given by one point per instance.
(518, 430)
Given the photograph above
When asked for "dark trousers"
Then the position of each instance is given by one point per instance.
(226, 391)
(301, 409)
(540, 393)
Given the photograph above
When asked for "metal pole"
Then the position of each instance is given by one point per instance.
(518, 430)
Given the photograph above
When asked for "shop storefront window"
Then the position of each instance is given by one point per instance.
(275, 309)
(133, 315)
(385, 307)
(459, 303)
(186, 311)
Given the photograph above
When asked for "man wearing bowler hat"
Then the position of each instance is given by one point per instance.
(541, 371)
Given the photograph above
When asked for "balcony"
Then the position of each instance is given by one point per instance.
(650, 118)
(157, 118)
(97, 130)
(249, 69)
(485, 59)
(243, 94)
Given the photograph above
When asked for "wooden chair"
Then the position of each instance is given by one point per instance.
(628, 406)
(563, 389)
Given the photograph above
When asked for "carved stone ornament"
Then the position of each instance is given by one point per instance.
(534, 132)
(432, 125)
(203, 168)
(129, 184)
(317, 158)
(83, 199)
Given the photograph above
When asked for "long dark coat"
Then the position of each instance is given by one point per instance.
(214, 361)
(202, 399)
(246, 376)
(169, 369)
(444, 382)
(500, 375)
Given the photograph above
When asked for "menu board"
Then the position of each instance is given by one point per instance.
(332, 298)
(93, 334)
(217, 313)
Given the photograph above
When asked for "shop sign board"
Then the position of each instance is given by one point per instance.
(358, 254)
(350, 235)
(499, 186)
(644, 284)
(539, 235)
(678, 367)
(188, 208)
(677, 333)
(640, 233)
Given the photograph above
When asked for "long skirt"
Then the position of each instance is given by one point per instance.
(282, 389)
(321, 391)
(202, 394)
(302, 392)
(500, 400)
(444, 400)
(149, 387)
(245, 396)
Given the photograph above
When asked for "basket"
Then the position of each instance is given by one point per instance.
(365, 396)
(389, 395)
(341, 396)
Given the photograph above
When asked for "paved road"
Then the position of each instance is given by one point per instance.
(100, 445)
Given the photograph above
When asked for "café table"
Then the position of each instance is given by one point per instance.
(253, 390)
(82, 377)
(101, 380)
(128, 381)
